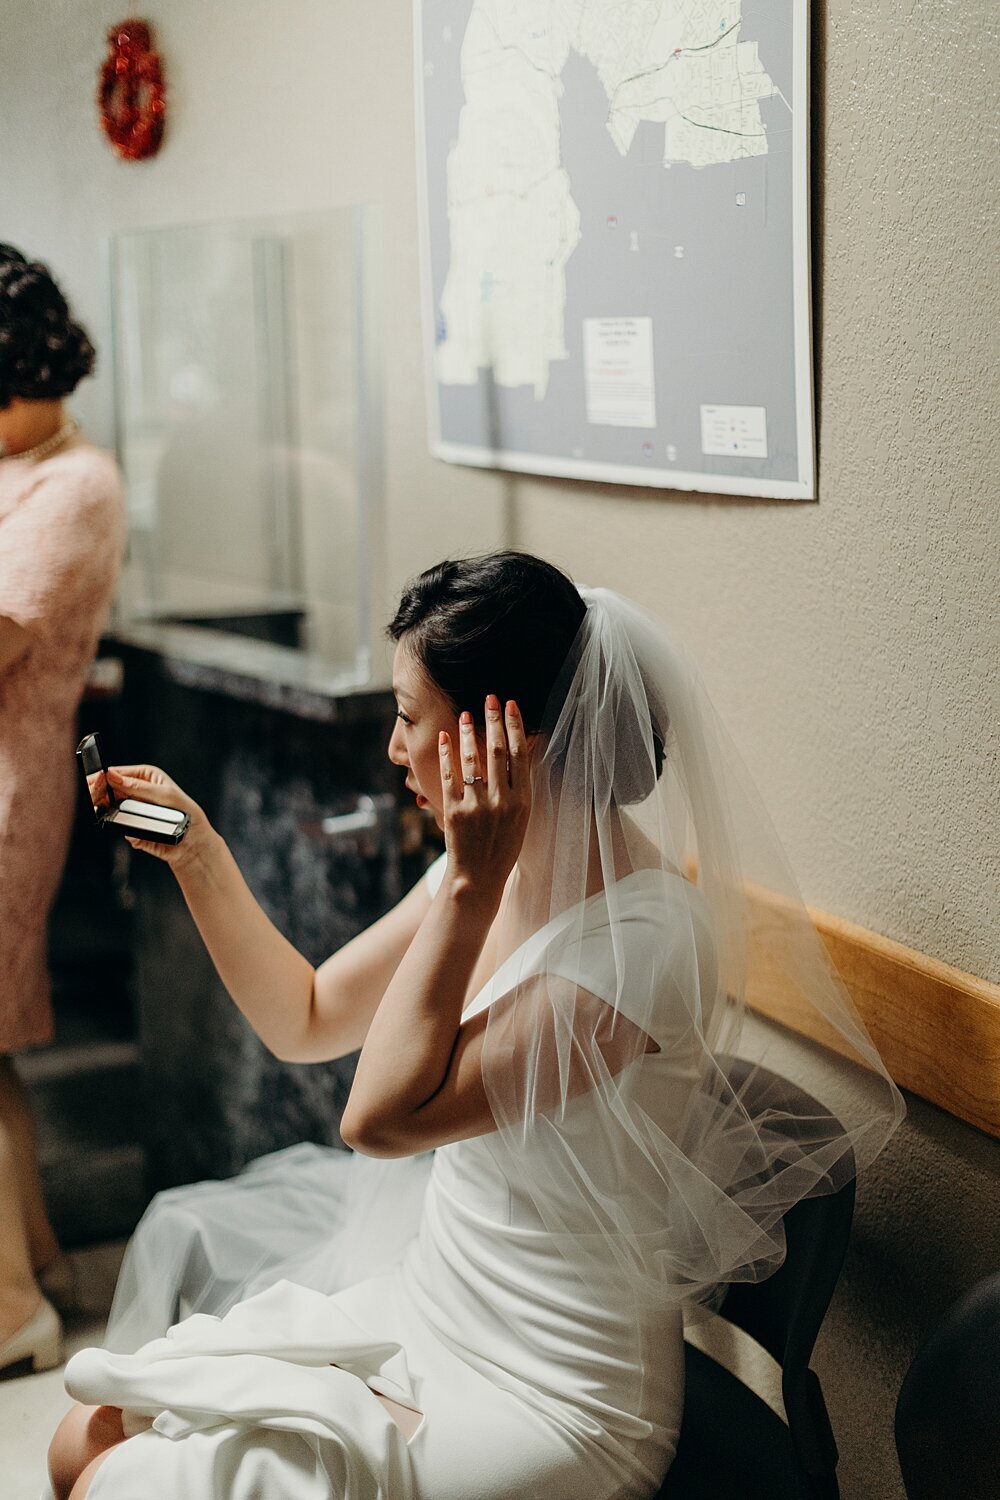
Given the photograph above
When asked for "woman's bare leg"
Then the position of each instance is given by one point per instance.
(405, 1418)
(80, 1489)
(18, 1125)
(85, 1435)
(19, 1291)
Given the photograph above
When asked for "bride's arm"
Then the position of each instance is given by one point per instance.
(411, 1042)
(302, 1014)
(412, 1037)
(545, 1059)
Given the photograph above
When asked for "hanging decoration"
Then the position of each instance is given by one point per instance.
(131, 95)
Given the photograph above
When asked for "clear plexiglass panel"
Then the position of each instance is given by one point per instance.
(248, 380)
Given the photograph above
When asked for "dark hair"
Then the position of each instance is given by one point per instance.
(508, 623)
(44, 354)
(502, 623)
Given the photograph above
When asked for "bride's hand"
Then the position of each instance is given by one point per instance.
(486, 809)
(150, 784)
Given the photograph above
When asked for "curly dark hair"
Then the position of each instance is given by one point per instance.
(44, 353)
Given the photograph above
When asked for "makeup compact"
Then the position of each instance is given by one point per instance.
(139, 820)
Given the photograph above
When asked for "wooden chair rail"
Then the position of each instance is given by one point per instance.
(937, 1028)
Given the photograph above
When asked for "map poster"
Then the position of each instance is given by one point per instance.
(614, 204)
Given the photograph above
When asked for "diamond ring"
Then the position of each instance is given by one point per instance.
(471, 780)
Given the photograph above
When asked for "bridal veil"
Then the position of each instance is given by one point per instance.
(638, 796)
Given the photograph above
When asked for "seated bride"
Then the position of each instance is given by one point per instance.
(551, 1013)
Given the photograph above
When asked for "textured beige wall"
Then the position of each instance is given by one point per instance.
(848, 643)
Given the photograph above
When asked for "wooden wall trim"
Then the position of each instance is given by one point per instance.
(937, 1028)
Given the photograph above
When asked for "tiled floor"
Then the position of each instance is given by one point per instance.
(31, 1405)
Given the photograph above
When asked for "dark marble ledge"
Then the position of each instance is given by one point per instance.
(299, 683)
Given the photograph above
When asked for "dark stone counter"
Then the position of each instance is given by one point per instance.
(269, 749)
(297, 682)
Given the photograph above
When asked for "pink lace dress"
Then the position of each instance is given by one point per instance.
(62, 535)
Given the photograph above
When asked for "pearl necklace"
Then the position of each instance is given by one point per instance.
(42, 450)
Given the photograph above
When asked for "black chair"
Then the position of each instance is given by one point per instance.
(948, 1412)
(732, 1445)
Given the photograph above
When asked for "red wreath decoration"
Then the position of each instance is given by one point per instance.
(131, 96)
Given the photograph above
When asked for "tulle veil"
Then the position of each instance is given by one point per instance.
(665, 1079)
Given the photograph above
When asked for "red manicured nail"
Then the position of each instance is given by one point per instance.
(512, 708)
(443, 738)
(492, 703)
(465, 717)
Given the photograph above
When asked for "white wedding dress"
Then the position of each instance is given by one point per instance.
(528, 1384)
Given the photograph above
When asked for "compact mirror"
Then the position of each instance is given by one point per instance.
(145, 820)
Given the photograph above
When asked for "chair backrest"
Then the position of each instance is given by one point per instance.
(784, 1313)
(948, 1412)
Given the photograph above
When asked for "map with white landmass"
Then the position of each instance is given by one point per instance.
(616, 239)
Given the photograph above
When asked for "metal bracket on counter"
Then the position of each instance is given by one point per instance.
(378, 828)
(370, 813)
(373, 830)
(105, 679)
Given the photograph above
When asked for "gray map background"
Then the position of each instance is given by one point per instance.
(723, 325)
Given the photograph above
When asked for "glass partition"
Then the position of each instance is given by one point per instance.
(248, 383)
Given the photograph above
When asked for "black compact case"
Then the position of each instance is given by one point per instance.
(139, 820)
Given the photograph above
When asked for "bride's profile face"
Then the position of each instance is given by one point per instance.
(422, 710)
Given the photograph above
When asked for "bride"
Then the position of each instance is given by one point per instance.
(553, 1011)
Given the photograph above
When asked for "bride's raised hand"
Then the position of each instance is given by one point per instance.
(486, 808)
(150, 784)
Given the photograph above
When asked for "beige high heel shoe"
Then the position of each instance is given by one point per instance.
(39, 1341)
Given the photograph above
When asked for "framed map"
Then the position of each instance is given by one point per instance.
(615, 239)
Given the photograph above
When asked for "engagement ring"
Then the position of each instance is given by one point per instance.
(471, 780)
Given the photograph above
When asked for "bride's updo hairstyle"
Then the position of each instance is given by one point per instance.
(44, 353)
(502, 623)
(509, 623)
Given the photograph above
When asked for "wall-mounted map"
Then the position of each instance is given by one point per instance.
(616, 239)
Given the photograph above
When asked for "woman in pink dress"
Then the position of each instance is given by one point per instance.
(62, 532)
